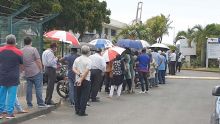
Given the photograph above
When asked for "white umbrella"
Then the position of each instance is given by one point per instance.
(159, 45)
(144, 43)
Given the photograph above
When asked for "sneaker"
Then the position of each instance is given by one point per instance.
(22, 112)
(142, 92)
(1, 116)
(43, 106)
(10, 116)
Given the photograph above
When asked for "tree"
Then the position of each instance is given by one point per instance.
(82, 15)
(189, 35)
(77, 15)
(199, 35)
(159, 26)
(152, 31)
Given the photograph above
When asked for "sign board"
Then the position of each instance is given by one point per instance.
(185, 49)
(213, 48)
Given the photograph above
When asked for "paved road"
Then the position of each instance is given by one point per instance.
(180, 101)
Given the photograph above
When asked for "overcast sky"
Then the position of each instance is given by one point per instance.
(183, 13)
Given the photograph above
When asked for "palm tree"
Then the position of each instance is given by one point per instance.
(201, 35)
(189, 35)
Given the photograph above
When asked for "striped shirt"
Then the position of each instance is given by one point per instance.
(49, 59)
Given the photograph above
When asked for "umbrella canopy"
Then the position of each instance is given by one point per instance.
(62, 36)
(128, 43)
(160, 46)
(144, 43)
(112, 52)
(101, 43)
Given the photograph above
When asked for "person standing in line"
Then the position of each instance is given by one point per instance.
(143, 69)
(82, 86)
(118, 76)
(33, 73)
(179, 62)
(11, 63)
(161, 68)
(152, 71)
(69, 59)
(108, 76)
(127, 72)
(173, 62)
(156, 57)
(98, 67)
(50, 65)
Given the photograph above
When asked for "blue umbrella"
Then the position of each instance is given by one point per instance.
(101, 43)
(128, 43)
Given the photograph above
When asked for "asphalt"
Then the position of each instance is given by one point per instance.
(180, 101)
(32, 112)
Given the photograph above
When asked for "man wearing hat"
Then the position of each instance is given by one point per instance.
(50, 65)
(98, 67)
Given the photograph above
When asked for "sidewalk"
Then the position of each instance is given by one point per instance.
(188, 74)
(33, 112)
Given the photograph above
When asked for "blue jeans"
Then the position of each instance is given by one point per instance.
(36, 80)
(8, 93)
(71, 90)
(161, 76)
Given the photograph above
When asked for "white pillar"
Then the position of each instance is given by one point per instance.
(187, 61)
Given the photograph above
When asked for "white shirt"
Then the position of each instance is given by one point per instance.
(82, 63)
(173, 57)
(180, 58)
(49, 59)
(98, 62)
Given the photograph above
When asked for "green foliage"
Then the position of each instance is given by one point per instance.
(199, 35)
(159, 26)
(151, 31)
(77, 15)
(81, 15)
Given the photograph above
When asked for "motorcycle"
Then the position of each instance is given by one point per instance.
(62, 86)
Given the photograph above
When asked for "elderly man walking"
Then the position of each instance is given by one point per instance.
(33, 73)
(81, 68)
(98, 68)
(50, 65)
(10, 62)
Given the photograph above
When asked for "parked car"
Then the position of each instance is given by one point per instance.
(215, 117)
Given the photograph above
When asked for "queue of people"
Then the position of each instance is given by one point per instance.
(86, 74)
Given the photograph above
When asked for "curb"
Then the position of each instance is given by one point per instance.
(31, 115)
(187, 77)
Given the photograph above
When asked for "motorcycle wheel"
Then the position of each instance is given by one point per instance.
(63, 88)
